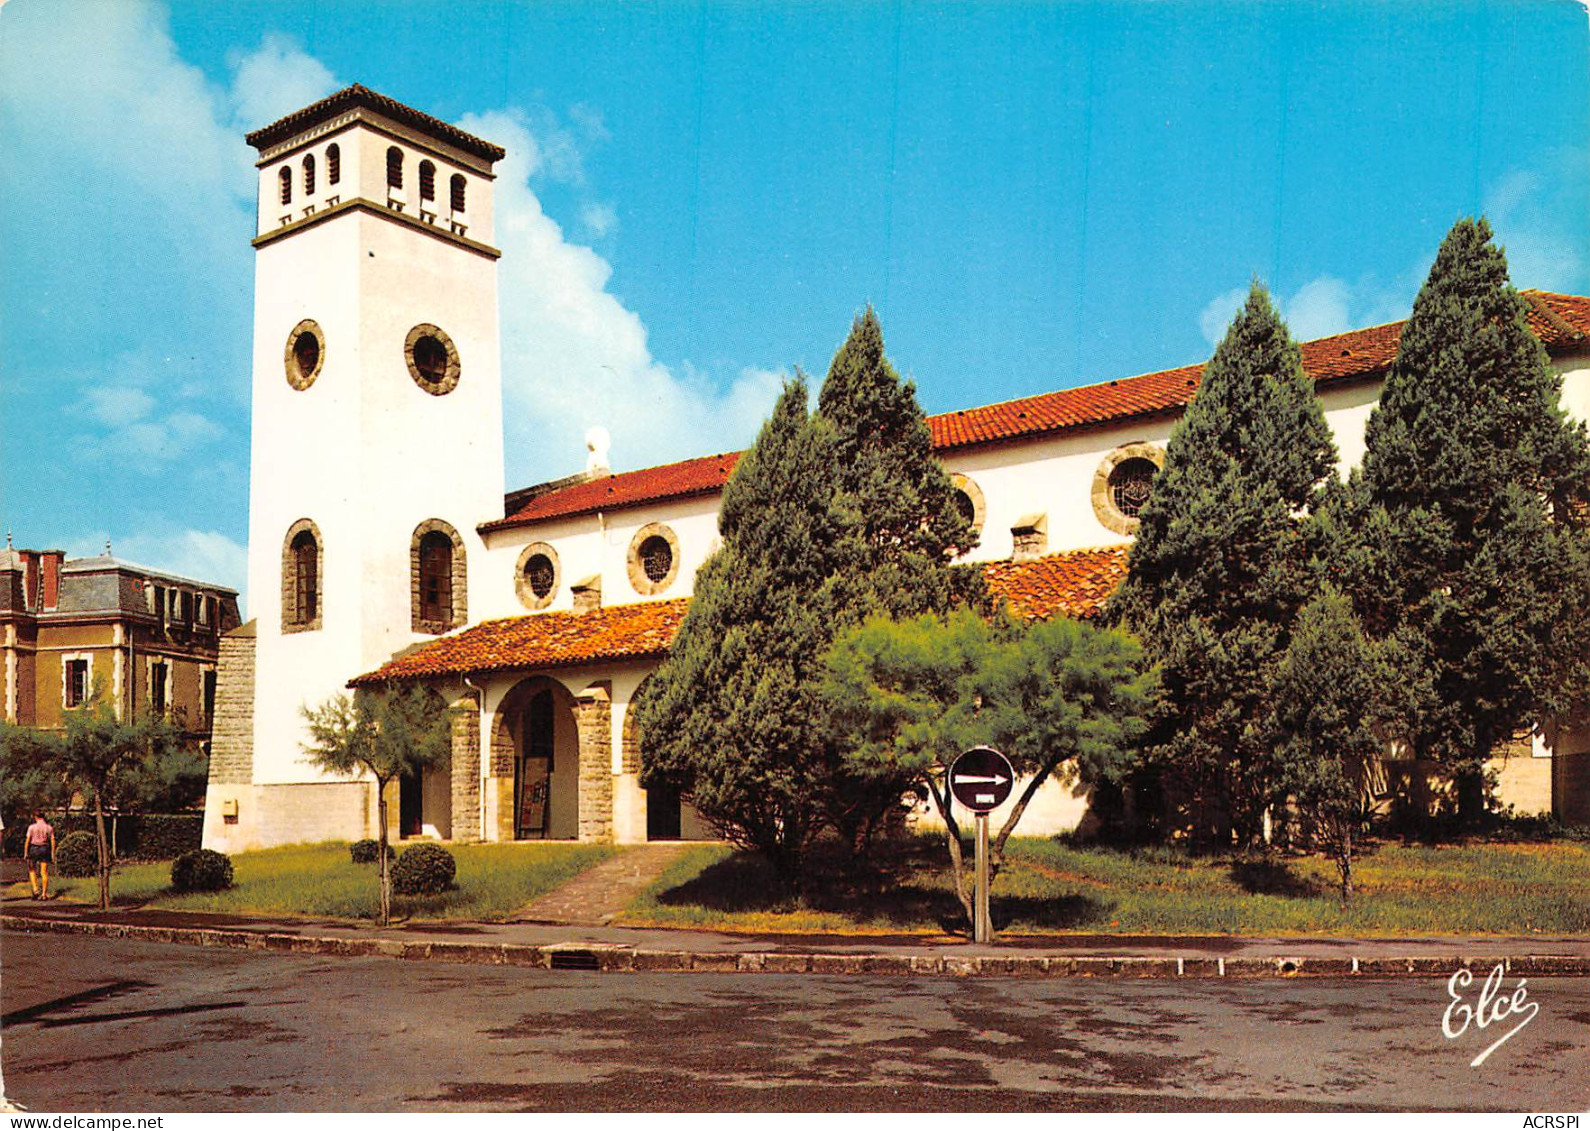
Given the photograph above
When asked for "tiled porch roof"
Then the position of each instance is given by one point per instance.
(1073, 584)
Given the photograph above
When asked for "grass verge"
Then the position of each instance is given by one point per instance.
(1049, 886)
(319, 880)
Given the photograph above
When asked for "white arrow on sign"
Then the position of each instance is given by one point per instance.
(996, 780)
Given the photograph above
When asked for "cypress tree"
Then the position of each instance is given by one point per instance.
(908, 525)
(732, 717)
(1465, 526)
(903, 533)
(1221, 567)
(829, 517)
(1327, 694)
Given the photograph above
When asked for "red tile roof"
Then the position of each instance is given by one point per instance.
(1561, 321)
(1071, 584)
(1074, 584)
(542, 640)
(348, 97)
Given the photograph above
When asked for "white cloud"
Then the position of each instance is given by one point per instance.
(1318, 309)
(1323, 306)
(118, 406)
(1217, 315)
(273, 80)
(573, 356)
(1538, 217)
(601, 219)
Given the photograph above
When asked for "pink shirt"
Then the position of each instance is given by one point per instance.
(39, 832)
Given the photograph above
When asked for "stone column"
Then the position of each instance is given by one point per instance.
(500, 794)
(466, 767)
(593, 717)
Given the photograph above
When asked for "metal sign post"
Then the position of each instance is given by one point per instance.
(982, 929)
(981, 779)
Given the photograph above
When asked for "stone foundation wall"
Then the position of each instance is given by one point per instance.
(300, 813)
(232, 732)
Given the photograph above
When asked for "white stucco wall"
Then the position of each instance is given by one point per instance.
(364, 451)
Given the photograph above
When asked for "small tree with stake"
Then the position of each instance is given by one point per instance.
(97, 755)
(388, 732)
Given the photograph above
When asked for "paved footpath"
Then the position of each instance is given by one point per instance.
(607, 948)
(597, 895)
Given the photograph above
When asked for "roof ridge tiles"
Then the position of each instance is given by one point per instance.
(1351, 355)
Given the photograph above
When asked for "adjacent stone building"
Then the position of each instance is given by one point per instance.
(72, 629)
(382, 546)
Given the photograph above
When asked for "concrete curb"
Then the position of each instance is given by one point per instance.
(610, 958)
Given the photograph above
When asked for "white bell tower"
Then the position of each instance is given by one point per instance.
(377, 436)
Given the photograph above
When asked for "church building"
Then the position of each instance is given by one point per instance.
(382, 544)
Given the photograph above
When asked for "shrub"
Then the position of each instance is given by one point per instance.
(367, 851)
(77, 854)
(423, 869)
(204, 870)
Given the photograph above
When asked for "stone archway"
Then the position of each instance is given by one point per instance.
(550, 770)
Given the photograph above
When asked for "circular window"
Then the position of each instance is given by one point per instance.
(306, 353)
(541, 575)
(537, 579)
(653, 559)
(1123, 484)
(1130, 483)
(656, 558)
(432, 359)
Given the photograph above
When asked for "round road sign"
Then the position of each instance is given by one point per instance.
(981, 779)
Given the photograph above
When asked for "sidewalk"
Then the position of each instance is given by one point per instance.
(594, 947)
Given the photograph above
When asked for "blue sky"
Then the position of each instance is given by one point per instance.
(699, 197)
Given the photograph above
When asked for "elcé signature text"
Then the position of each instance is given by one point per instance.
(1492, 1007)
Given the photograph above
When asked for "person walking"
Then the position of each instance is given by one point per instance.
(40, 852)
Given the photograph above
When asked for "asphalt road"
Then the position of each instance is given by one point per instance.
(94, 1024)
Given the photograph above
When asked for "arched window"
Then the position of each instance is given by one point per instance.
(427, 181)
(286, 178)
(394, 167)
(302, 566)
(457, 186)
(333, 164)
(436, 577)
(309, 174)
(436, 567)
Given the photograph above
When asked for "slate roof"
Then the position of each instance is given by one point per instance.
(1074, 584)
(349, 97)
(1562, 322)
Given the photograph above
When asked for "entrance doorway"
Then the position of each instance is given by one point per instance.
(662, 814)
(533, 786)
(536, 763)
(411, 806)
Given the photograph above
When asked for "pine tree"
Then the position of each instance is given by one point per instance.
(1469, 515)
(1221, 566)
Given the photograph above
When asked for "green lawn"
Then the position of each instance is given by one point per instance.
(1049, 886)
(319, 880)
